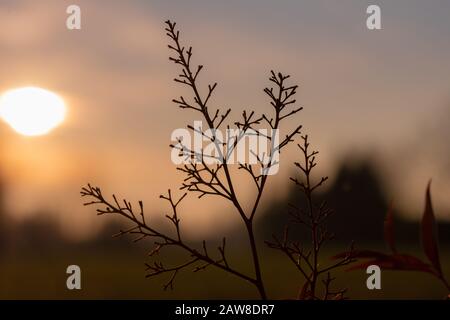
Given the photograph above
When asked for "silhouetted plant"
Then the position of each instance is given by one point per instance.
(206, 179)
(306, 256)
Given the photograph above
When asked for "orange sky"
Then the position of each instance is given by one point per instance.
(378, 92)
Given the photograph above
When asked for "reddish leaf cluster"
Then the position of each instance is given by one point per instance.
(399, 261)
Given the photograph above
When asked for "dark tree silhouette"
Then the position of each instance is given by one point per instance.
(356, 194)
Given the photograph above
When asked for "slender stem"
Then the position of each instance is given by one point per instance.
(208, 119)
(259, 281)
(308, 193)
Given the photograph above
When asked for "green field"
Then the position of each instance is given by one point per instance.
(119, 274)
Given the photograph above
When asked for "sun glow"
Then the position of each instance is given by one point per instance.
(32, 111)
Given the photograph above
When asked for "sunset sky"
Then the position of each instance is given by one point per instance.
(383, 93)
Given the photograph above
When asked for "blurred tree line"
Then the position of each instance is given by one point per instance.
(359, 201)
(355, 193)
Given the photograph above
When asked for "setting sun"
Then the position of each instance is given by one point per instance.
(32, 111)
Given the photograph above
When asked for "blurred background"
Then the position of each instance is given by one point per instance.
(376, 106)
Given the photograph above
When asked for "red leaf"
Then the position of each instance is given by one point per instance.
(408, 262)
(396, 262)
(389, 234)
(429, 233)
